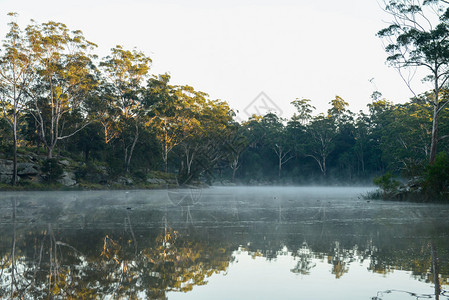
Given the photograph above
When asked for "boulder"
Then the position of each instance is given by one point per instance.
(37, 178)
(124, 181)
(156, 181)
(172, 181)
(5, 178)
(6, 167)
(67, 179)
(26, 169)
(64, 162)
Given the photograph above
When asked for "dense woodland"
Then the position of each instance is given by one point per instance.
(58, 99)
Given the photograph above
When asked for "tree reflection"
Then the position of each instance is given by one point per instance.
(57, 270)
(81, 252)
(305, 263)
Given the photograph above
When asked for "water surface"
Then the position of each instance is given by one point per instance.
(222, 243)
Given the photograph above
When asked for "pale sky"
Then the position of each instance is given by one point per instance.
(234, 50)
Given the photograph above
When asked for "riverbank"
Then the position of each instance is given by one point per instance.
(38, 173)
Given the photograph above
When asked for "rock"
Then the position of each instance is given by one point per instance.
(227, 183)
(253, 182)
(28, 171)
(156, 181)
(102, 169)
(124, 181)
(67, 179)
(172, 181)
(64, 162)
(24, 169)
(6, 167)
(37, 179)
(21, 166)
(5, 178)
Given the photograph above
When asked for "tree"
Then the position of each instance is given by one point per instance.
(277, 139)
(236, 144)
(339, 111)
(125, 73)
(16, 74)
(418, 37)
(165, 114)
(303, 110)
(205, 129)
(405, 139)
(64, 68)
(321, 144)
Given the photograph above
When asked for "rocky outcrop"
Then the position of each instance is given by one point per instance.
(5, 178)
(74, 174)
(27, 169)
(6, 167)
(156, 181)
(67, 179)
(124, 181)
(64, 162)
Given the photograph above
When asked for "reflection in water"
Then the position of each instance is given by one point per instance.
(304, 256)
(147, 244)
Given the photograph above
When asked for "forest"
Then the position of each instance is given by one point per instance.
(112, 118)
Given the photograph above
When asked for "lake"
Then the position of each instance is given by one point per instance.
(222, 243)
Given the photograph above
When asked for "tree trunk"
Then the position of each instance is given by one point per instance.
(324, 166)
(234, 166)
(434, 141)
(14, 165)
(280, 168)
(128, 159)
(436, 111)
(165, 156)
(49, 152)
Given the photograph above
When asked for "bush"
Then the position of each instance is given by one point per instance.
(52, 170)
(139, 175)
(387, 183)
(437, 175)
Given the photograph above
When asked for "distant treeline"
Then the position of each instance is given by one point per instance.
(58, 98)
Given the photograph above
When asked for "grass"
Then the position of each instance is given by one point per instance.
(374, 195)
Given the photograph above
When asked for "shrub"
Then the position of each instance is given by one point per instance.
(52, 170)
(436, 179)
(387, 182)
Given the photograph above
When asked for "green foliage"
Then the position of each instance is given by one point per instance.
(387, 183)
(52, 170)
(140, 123)
(6, 146)
(88, 172)
(437, 176)
(139, 175)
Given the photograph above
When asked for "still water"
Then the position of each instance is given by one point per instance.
(222, 243)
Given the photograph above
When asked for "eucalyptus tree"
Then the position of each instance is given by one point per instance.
(217, 121)
(236, 144)
(16, 75)
(343, 153)
(125, 73)
(339, 111)
(304, 110)
(64, 69)
(192, 130)
(205, 128)
(418, 37)
(278, 140)
(320, 144)
(405, 138)
(166, 114)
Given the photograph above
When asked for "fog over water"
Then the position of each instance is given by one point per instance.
(222, 243)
